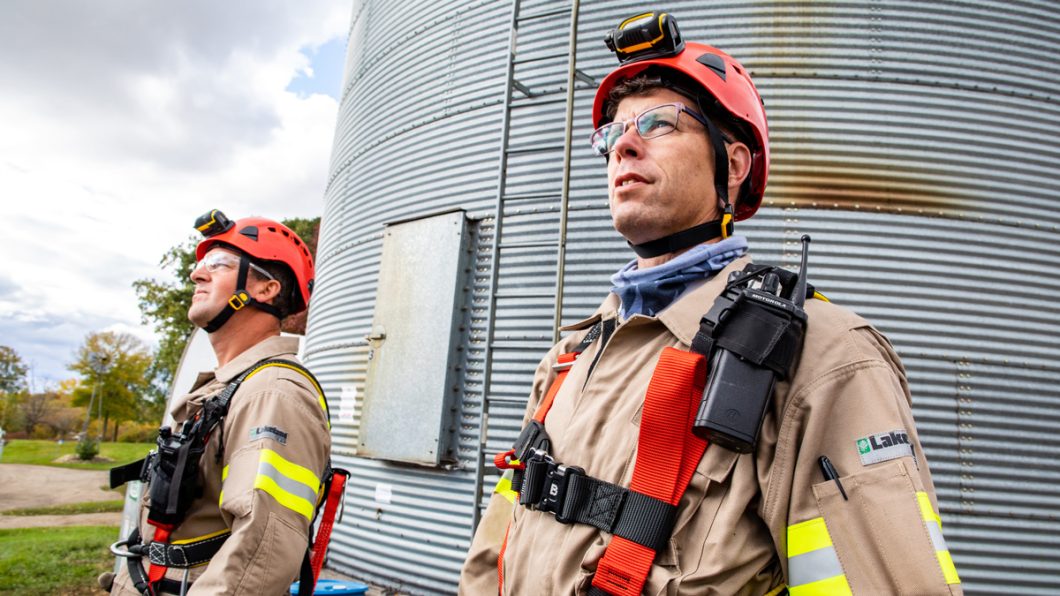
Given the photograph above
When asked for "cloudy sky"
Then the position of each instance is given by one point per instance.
(123, 120)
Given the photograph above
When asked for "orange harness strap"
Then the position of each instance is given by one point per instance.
(157, 572)
(503, 460)
(334, 500)
(667, 456)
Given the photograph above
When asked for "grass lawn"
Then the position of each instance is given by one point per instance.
(44, 453)
(55, 560)
(71, 509)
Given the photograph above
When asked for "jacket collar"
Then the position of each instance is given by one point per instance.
(267, 348)
(682, 317)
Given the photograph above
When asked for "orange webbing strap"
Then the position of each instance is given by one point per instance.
(500, 560)
(502, 461)
(667, 456)
(157, 572)
(565, 361)
(334, 499)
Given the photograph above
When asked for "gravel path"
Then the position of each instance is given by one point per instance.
(24, 485)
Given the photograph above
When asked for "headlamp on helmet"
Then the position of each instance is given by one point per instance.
(645, 36)
(212, 223)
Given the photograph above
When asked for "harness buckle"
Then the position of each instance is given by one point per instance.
(531, 438)
(547, 484)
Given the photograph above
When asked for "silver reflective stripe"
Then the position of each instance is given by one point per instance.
(936, 536)
(815, 565)
(292, 486)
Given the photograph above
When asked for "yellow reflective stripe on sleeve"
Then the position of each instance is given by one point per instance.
(949, 570)
(320, 391)
(926, 510)
(934, 526)
(291, 470)
(293, 502)
(807, 536)
(290, 484)
(504, 487)
(813, 564)
(833, 586)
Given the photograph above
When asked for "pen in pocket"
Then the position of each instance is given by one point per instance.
(830, 473)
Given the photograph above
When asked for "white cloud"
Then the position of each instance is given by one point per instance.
(123, 121)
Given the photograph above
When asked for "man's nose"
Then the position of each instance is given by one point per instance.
(630, 144)
(198, 273)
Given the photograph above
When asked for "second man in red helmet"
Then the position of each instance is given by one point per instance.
(707, 430)
(234, 485)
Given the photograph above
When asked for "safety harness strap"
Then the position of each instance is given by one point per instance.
(573, 497)
(186, 555)
(667, 456)
(533, 435)
(327, 522)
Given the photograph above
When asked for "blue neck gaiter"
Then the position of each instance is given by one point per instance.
(649, 291)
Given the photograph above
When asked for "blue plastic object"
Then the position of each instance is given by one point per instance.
(335, 587)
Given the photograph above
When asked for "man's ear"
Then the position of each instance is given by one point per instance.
(265, 290)
(739, 165)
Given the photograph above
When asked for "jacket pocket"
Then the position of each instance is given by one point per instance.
(878, 532)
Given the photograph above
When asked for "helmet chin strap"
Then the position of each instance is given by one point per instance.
(705, 231)
(239, 299)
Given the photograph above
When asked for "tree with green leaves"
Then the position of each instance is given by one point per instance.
(12, 382)
(164, 304)
(114, 380)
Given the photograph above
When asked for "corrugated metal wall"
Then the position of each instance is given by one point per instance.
(916, 142)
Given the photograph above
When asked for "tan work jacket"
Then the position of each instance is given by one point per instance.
(751, 523)
(264, 490)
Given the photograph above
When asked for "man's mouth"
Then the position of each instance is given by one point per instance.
(628, 179)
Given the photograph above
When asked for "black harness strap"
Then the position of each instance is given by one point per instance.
(573, 497)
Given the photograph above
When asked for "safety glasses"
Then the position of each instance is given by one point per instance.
(219, 261)
(651, 123)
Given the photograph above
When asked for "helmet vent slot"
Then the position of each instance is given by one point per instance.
(713, 62)
(250, 232)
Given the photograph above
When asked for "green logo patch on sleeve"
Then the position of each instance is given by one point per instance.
(885, 446)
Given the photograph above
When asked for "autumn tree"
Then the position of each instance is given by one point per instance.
(114, 367)
(164, 304)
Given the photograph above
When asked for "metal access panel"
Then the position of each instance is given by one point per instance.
(412, 387)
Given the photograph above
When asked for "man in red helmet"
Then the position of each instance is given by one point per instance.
(633, 474)
(232, 490)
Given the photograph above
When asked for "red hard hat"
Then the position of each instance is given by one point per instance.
(725, 80)
(264, 240)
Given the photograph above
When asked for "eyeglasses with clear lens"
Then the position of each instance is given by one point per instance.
(217, 261)
(651, 123)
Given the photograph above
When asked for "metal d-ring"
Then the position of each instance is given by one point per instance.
(122, 553)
